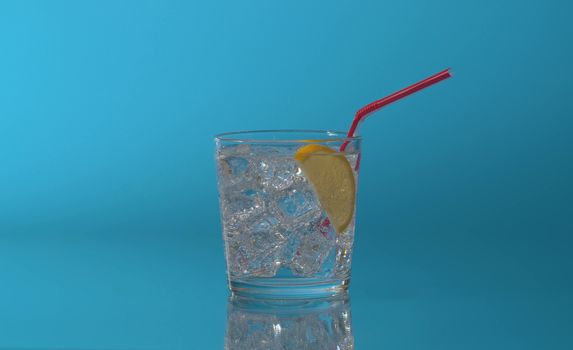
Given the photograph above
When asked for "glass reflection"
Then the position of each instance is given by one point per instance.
(287, 324)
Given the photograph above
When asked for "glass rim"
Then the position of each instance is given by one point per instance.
(329, 136)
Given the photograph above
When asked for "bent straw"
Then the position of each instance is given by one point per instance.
(363, 112)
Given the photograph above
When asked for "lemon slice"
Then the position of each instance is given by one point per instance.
(333, 180)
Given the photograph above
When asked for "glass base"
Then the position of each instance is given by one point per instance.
(288, 288)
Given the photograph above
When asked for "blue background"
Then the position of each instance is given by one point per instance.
(109, 231)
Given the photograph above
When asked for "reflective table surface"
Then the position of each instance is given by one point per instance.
(64, 291)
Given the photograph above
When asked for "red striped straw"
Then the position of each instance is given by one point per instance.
(363, 112)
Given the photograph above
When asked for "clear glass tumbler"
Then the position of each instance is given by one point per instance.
(287, 201)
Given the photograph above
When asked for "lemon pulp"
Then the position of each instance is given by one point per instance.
(332, 178)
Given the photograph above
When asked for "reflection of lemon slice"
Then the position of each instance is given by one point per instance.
(331, 175)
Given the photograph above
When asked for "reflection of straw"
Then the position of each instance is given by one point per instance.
(363, 112)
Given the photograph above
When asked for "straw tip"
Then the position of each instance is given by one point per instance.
(449, 72)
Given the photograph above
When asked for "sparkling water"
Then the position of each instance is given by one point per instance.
(273, 224)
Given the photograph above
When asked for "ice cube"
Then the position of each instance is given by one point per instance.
(245, 265)
(237, 165)
(329, 263)
(294, 203)
(240, 206)
(313, 249)
(344, 243)
(265, 266)
(290, 247)
(234, 170)
(265, 234)
(256, 248)
(277, 173)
